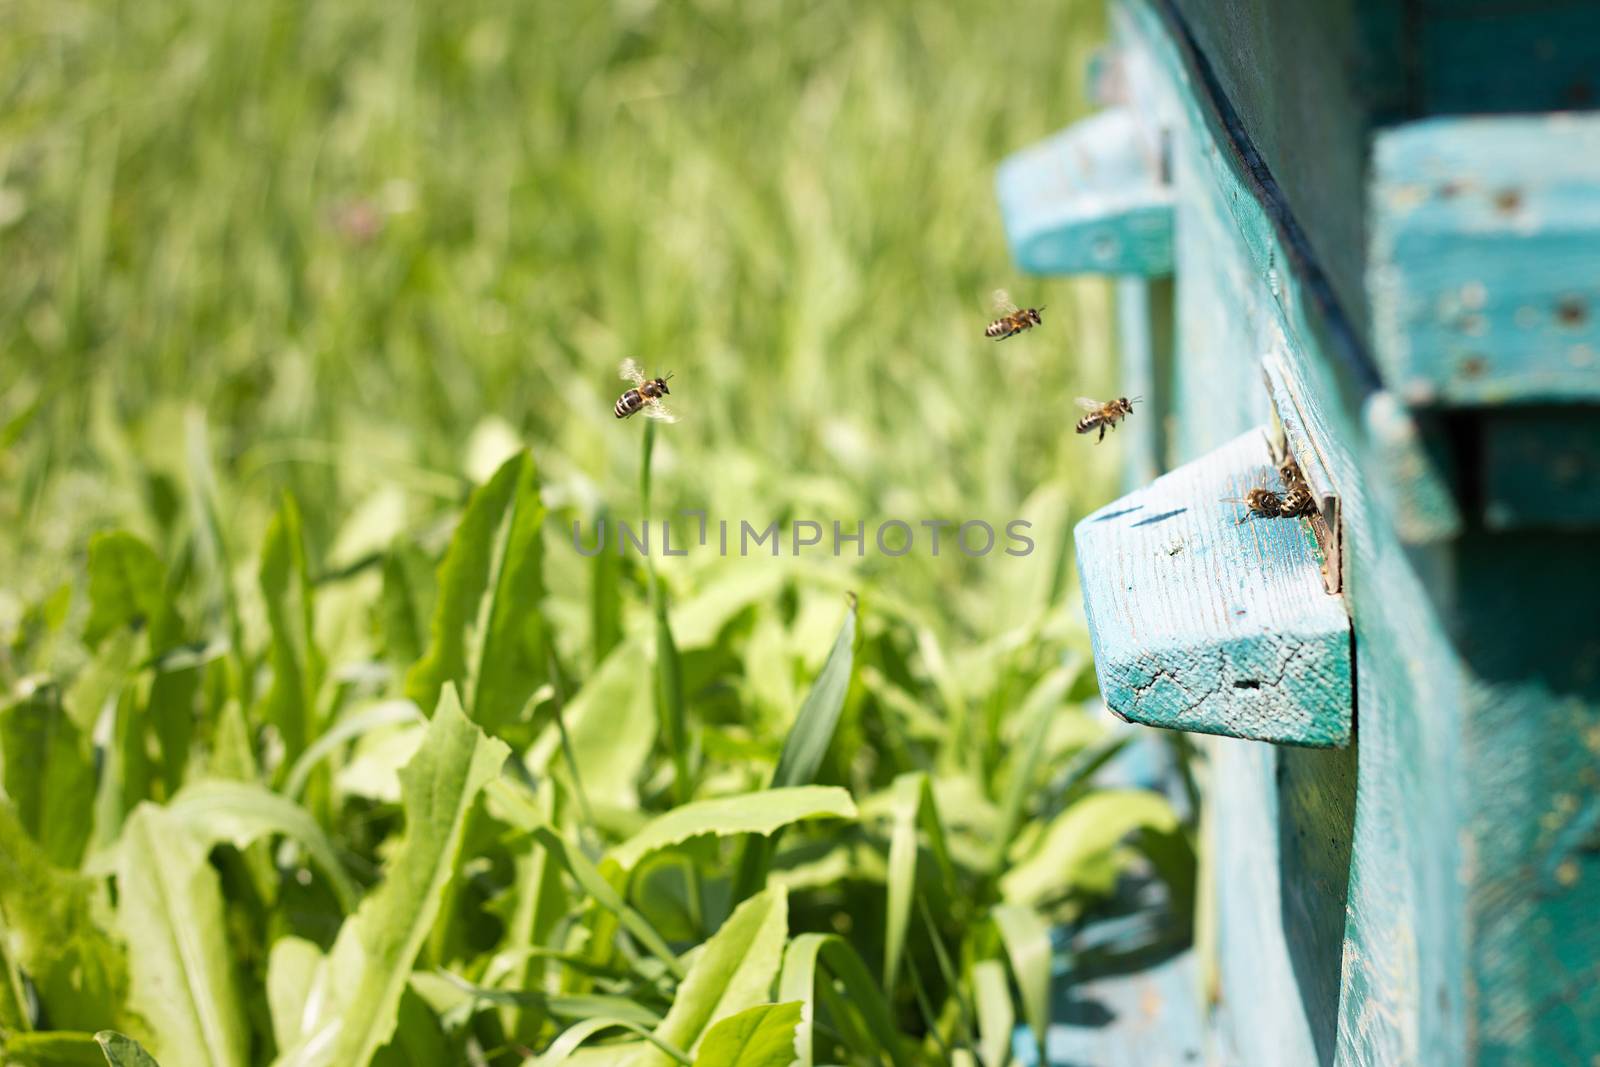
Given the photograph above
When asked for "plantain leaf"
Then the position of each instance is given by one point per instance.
(762, 1036)
(732, 971)
(297, 666)
(294, 974)
(799, 981)
(761, 812)
(241, 812)
(51, 930)
(1076, 846)
(169, 908)
(365, 972)
(126, 582)
(487, 634)
(46, 769)
(1026, 937)
(120, 1050)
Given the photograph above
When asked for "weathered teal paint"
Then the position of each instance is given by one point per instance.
(1429, 894)
(1203, 619)
(1485, 259)
(1091, 199)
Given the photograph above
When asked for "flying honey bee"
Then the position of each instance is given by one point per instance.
(645, 395)
(1013, 320)
(1104, 413)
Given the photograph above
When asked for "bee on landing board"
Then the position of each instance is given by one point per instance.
(1104, 414)
(1297, 501)
(1260, 501)
(645, 395)
(1013, 320)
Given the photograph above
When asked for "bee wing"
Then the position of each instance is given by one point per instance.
(1002, 301)
(1089, 403)
(629, 371)
(659, 411)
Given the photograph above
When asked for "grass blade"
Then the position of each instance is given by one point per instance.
(297, 666)
(996, 1017)
(1026, 937)
(800, 981)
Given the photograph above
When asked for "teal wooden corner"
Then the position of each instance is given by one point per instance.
(1090, 200)
(1484, 263)
(1202, 622)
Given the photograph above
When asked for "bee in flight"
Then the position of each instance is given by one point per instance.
(1013, 320)
(1104, 413)
(645, 395)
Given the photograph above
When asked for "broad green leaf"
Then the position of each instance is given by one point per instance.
(1079, 837)
(762, 1036)
(733, 971)
(611, 722)
(97, 685)
(749, 813)
(297, 666)
(1026, 937)
(487, 634)
(366, 970)
(52, 1048)
(123, 1051)
(242, 812)
(800, 981)
(294, 977)
(564, 1047)
(46, 769)
(50, 920)
(126, 590)
(169, 909)
(996, 1017)
(804, 747)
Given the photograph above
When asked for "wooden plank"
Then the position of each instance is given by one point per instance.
(1090, 200)
(1541, 468)
(1204, 622)
(1144, 339)
(1485, 259)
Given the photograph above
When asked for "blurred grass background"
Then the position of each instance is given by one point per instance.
(373, 245)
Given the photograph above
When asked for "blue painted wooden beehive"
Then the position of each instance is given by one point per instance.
(1362, 236)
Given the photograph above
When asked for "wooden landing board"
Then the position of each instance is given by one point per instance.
(1090, 200)
(1202, 622)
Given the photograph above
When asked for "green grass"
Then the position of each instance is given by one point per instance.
(285, 282)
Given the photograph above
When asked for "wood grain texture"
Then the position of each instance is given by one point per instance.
(1090, 200)
(1485, 259)
(1144, 339)
(1203, 622)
